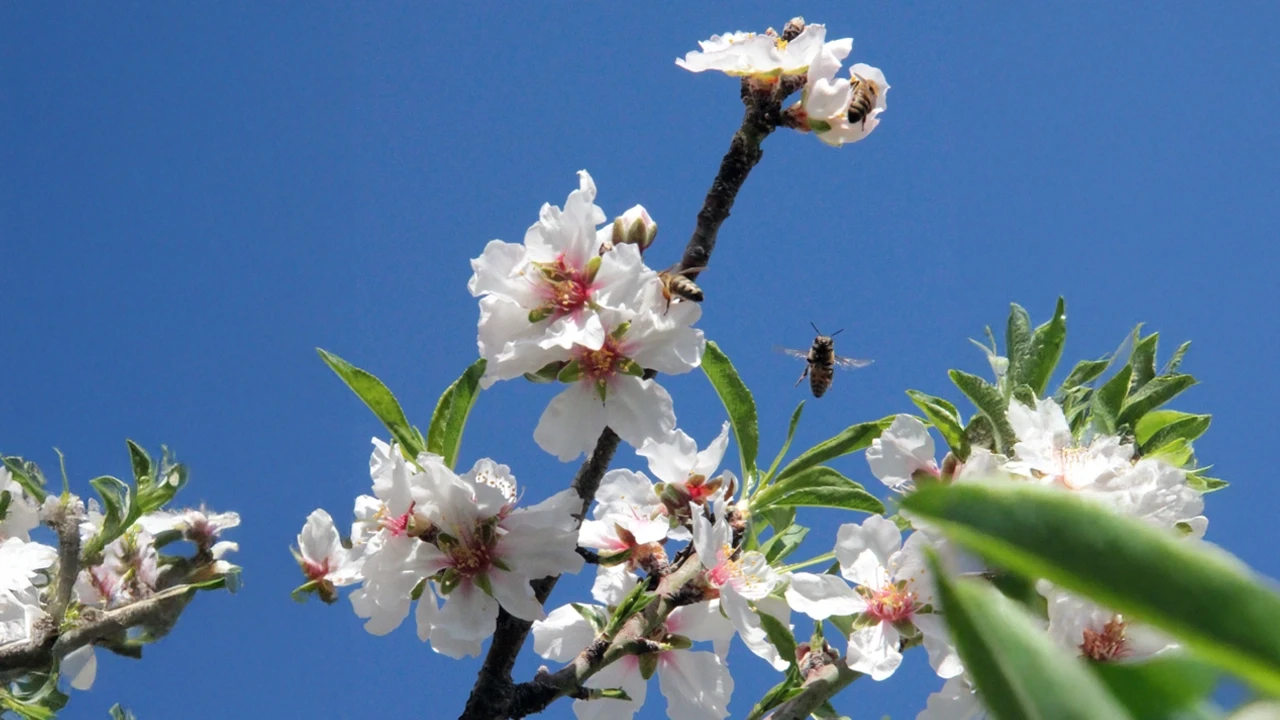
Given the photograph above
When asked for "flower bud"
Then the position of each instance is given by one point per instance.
(635, 227)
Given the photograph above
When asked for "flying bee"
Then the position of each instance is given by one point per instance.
(676, 285)
(821, 361)
(865, 94)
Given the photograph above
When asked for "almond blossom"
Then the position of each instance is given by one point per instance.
(129, 571)
(21, 514)
(892, 595)
(606, 384)
(687, 475)
(627, 525)
(842, 110)
(1047, 452)
(902, 450)
(744, 581)
(323, 559)
(696, 683)
(957, 700)
(1087, 629)
(756, 55)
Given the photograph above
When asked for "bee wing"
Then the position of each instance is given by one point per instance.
(848, 363)
(801, 354)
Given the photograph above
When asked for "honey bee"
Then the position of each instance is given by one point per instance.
(676, 285)
(821, 361)
(865, 94)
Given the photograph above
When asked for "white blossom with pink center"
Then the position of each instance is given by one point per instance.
(756, 54)
(697, 684)
(539, 299)
(606, 387)
(744, 580)
(127, 573)
(1047, 452)
(677, 463)
(904, 449)
(323, 559)
(1090, 630)
(842, 110)
(892, 590)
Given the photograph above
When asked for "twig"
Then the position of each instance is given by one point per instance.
(821, 686)
(66, 522)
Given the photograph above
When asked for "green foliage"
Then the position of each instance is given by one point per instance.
(739, 404)
(784, 542)
(378, 397)
(851, 439)
(946, 418)
(1206, 599)
(991, 403)
(1033, 356)
(444, 434)
(28, 476)
(1158, 687)
(791, 432)
(1015, 665)
(779, 635)
(120, 713)
(819, 486)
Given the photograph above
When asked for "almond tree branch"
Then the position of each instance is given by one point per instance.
(821, 686)
(494, 696)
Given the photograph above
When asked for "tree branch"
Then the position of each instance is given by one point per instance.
(821, 686)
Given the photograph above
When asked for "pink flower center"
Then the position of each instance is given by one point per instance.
(892, 603)
(470, 560)
(564, 289)
(601, 364)
(399, 525)
(1106, 645)
(316, 570)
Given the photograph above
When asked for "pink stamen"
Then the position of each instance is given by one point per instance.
(891, 604)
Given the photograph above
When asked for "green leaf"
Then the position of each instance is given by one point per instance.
(1186, 428)
(1158, 687)
(946, 418)
(1085, 372)
(1014, 664)
(980, 433)
(1017, 341)
(779, 635)
(118, 510)
(444, 435)
(1175, 452)
(779, 518)
(1176, 361)
(1143, 362)
(379, 399)
(1044, 352)
(784, 542)
(120, 713)
(32, 483)
(1157, 420)
(778, 694)
(141, 462)
(990, 402)
(1155, 393)
(851, 439)
(791, 431)
(817, 487)
(1108, 400)
(1122, 563)
(1204, 484)
(738, 403)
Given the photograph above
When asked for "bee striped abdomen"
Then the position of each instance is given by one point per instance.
(865, 93)
(821, 361)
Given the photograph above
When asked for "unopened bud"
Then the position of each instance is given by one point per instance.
(635, 227)
(593, 267)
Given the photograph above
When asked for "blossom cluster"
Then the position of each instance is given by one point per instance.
(129, 569)
(1104, 469)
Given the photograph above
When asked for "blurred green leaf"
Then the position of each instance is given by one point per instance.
(1014, 664)
(991, 403)
(1085, 372)
(791, 432)
(779, 518)
(851, 439)
(1155, 393)
(1143, 362)
(1108, 400)
(1202, 596)
(1186, 428)
(379, 399)
(1157, 420)
(980, 433)
(31, 482)
(444, 434)
(817, 487)
(1044, 352)
(1201, 483)
(784, 542)
(946, 418)
(1017, 342)
(120, 713)
(778, 694)
(1157, 688)
(1176, 360)
(779, 635)
(740, 405)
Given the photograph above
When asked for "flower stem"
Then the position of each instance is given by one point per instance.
(811, 561)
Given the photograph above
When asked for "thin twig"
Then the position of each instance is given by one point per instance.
(821, 686)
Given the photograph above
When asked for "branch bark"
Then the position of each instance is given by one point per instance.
(821, 686)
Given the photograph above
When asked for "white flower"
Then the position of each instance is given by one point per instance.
(627, 514)
(843, 110)
(1157, 492)
(744, 579)
(197, 526)
(128, 572)
(696, 684)
(893, 588)
(19, 612)
(955, 701)
(676, 462)
(607, 389)
(488, 551)
(901, 451)
(612, 583)
(1046, 450)
(22, 514)
(538, 299)
(324, 560)
(751, 54)
(1084, 628)
(21, 564)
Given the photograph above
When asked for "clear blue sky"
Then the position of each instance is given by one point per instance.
(195, 195)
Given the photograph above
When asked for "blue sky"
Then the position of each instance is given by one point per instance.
(194, 196)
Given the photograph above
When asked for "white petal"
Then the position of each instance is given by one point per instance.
(873, 650)
(937, 642)
(697, 685)
(901, 450)
(319, 539)
(468, 614)
(499, 271)
(671, 458)
(709, 459)
(955, 701)
(623, 673)
(562, 635)
(612, 584)
(81, 665)
(572, 422)
(667, 344)
(710, 538)
(703, 622)
(864, 550)
(539, 552)
(821, 596)
(425, 614)
(747, 623)
(494, 486)
(513, 593)
(625, 487)
(637, 409)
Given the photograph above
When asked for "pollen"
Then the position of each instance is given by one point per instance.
(892, 603)
(601, 364)
(564, 289)
(1071, 462)
(1106, 645)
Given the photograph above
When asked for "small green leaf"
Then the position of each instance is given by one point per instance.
(1044, 353)
(31, 482)
(141, 462)
(118, 510)
(783, 543)
(1157, 420)
(120, 713)
(1085, 372)
(1143, 362)
(817, 487)
(1186, 429)
(1204, 484)
(1153, 394)
(379, 399)
(1025, 395)
(1017, 341)
(1121, 563)
(991, 403)
(1175, 452)
(1108, 400)
(1176, 361)
(980, 433)
(946, 418)
(778, 694)
(779, 518)
(738, 403)
(779, 636)
(1016, 667)
(444, 434)
(1158, 687)
(851, 439)
(791, 431)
